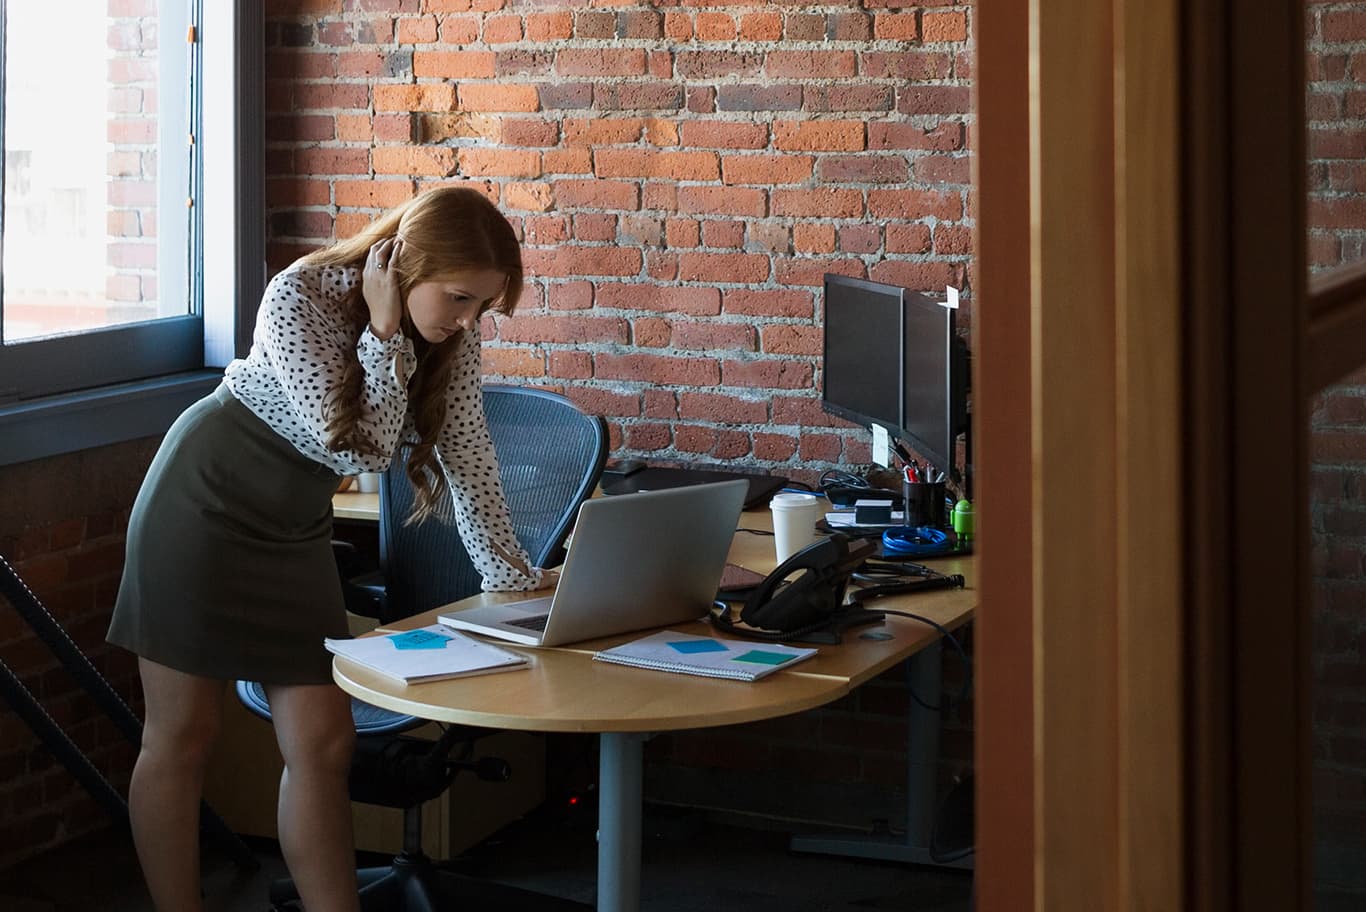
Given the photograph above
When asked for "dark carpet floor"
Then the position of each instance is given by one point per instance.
(689, 862)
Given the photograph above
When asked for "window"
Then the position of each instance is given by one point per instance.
(97, 208)
(129, 150)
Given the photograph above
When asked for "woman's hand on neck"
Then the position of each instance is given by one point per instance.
(380, 288)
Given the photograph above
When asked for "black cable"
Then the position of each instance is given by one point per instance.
(959, 698)
(836, 481)
(935, 581)
(851, 530)
(877, 572)
(849, 479)
(826, 631)
(917, 578)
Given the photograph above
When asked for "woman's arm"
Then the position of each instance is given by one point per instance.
(308, 347)
(466, 452)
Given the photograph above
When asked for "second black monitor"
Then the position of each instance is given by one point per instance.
(892, 357)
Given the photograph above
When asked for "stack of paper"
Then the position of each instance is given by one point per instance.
(427, 654)
(701, 655)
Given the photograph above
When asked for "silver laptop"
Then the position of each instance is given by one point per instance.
(635, 561)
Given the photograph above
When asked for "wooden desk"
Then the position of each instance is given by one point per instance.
(566, 691)
(355, 505)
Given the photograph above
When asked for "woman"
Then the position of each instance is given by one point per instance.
(229, 570)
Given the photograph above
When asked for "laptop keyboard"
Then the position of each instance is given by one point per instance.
(534, 622)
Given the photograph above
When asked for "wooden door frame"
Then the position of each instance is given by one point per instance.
(1165, 686)
(1248, 422)
(1001, 413)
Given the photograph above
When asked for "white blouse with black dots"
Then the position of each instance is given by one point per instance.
(297, 353)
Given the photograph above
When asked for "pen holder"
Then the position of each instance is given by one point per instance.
(924, 504)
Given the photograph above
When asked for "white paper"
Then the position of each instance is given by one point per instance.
(707, 656)
(952, 293)
(882, 447)
(459, 655)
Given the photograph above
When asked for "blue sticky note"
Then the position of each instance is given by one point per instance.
(419, 639)
(760, 657)
(691, 647)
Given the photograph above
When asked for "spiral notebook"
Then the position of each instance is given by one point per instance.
(430, 653)
(702, 655)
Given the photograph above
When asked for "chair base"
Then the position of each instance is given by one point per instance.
(414, 883)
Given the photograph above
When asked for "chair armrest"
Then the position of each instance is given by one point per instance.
(362, 586)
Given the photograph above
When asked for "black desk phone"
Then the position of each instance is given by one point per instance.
(803, 598)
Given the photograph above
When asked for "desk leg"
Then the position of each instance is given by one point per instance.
(620, 793)
(922, 755)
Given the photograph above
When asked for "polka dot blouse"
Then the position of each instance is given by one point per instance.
(297, 353)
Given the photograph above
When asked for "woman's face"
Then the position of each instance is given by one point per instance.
(443, 307)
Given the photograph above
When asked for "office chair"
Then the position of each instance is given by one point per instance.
(550, 457)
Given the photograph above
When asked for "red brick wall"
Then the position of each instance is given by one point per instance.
(682, 176)
(63, 527)
(1336, 106)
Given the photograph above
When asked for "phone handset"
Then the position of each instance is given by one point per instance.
(808, 588)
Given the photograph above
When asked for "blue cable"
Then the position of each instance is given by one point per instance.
(907, 541)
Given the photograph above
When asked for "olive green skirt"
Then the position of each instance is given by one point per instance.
(229, 571)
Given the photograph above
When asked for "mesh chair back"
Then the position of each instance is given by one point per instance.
(550, 457)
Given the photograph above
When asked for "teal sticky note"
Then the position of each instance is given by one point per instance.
(419, 639)
(761, 657)
(692, 647)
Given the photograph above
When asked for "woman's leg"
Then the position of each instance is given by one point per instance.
(313, 725)
(183, 715)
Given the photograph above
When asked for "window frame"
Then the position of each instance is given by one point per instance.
(80, 403)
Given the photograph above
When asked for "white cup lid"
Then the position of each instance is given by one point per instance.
(791, 500)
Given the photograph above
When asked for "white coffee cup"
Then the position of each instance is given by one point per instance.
(368, 482)
(794, 522)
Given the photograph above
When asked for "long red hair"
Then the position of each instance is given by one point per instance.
(444, 230)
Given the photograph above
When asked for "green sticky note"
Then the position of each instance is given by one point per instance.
(761, 657)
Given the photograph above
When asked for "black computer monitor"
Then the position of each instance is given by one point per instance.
(892, 357)
(933, 408)
(862, 361)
